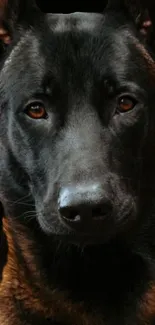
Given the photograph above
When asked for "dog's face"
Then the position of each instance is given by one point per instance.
(76, 118)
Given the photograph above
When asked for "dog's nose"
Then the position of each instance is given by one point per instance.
(83, 207)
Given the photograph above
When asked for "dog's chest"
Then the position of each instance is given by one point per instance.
(29, 302)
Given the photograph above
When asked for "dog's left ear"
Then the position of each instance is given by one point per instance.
(142, 12)
(13, 13)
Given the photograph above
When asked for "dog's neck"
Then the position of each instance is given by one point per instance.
(105, 274)
(24, 280)
(55, 263)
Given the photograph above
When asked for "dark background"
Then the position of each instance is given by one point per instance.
(71, 6)
(61, 6)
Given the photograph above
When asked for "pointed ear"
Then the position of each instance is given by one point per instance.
(141, 12)
(14, 12)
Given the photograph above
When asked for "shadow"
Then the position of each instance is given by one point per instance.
(3, 245)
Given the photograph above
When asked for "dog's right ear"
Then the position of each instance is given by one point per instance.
(141, 12)
(14, 13)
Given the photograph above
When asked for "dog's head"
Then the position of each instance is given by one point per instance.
(77, 115)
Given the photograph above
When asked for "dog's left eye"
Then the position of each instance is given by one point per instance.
(125, 104)
(36, 110)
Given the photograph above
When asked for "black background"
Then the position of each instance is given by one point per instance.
(61, 6)
(71, 6)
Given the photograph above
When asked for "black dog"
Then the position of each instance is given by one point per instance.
(77, 168)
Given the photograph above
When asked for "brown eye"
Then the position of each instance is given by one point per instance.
(36, 111)
(126, 104)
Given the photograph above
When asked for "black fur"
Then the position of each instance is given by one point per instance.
(78, 65)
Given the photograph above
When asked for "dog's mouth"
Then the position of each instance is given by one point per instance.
(87, 239)
(88, 231)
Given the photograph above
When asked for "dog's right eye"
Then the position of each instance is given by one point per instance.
(36, 110)
(125, 104)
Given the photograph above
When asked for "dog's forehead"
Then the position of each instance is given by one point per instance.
(87, 29)
(75, 48)
(58, 24)
(79, 21)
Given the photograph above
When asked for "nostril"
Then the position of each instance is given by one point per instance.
(70, 214)
(73, 214)
(101, 211)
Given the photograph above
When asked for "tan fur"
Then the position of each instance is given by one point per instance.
(15, 285)
(148, 60)
(147, 306)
